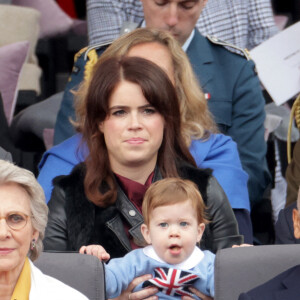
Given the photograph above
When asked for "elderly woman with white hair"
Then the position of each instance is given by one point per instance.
(23, 218)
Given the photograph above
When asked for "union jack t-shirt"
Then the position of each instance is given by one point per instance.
(172, 282)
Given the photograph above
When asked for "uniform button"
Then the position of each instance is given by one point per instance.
(132, 213)
(75, 69)
(126, 30)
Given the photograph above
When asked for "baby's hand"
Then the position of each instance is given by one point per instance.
(95, 250)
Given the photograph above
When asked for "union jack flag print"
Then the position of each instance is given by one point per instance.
(172, 282)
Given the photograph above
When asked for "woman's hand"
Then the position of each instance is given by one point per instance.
(242, 245)
(95, 250)
(198, 294)
(146, 293)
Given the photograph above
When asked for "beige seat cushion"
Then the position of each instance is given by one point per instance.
(19, 24)
(22, 24)
(53, 21)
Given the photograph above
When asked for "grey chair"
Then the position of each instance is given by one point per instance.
(5, 155)
(32, 121)
(238, 270)
(85, 273)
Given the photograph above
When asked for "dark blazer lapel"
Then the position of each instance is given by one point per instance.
(290, 285)
(200, 57)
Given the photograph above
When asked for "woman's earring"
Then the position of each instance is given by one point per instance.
(32, 244)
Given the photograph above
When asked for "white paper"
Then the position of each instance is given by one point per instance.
(278, 64)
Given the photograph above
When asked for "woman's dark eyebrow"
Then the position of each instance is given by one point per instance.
(146, 106)
(125, 106)
(118, 107)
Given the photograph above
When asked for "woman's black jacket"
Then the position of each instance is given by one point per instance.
(74, 221)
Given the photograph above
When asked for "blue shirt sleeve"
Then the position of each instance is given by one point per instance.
(59, 160)
(219, 153)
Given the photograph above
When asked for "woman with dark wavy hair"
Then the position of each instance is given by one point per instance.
(163, 105)
(133, 131)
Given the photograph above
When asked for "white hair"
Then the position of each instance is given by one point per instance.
(9, 173)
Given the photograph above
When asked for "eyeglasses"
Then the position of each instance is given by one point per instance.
(16, 220)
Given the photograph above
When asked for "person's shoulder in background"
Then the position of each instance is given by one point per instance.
(292, 175)
(283, 286)
(284, 230)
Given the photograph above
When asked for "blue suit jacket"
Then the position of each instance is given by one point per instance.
(285, 286)
(237, 104)
(284, 228)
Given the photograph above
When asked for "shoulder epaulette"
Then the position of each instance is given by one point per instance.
(87, 49)
(79, 53)
(90, 57)
(243, 52)
(96, 47)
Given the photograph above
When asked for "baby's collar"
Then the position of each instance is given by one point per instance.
(193, 260)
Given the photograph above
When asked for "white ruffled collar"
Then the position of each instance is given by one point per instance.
(193, 260)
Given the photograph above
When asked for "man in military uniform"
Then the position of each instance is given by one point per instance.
(229, 82)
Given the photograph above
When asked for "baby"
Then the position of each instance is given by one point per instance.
(174, 221)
